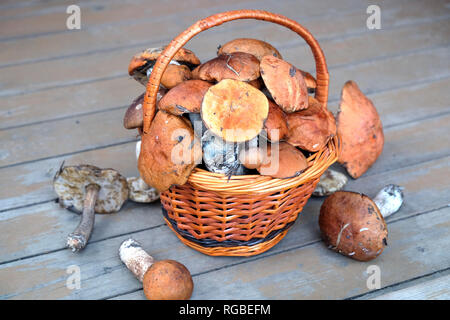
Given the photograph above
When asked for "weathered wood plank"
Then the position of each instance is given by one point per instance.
(45, 276)
(436, 289)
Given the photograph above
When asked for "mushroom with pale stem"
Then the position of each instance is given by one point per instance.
(285, 83)
(88, 189)
(360, 130)
(238, 66)
(234, 110)
(256, 47)
(353, 224)
(161, 280)
(178, 70)
(169, 151)
(330, 182)
(312, 128)
(184, 98)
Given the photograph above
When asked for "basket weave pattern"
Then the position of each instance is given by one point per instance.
(238, 215)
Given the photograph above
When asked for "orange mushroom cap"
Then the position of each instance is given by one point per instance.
(258, 48)
(360, 130)
(285, 83)
(283, 161)
(276, 125)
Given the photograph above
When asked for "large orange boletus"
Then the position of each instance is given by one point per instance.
(239, 66)
(234, 110)
(169, 152)
(185, 98)
(360, 130)
(312, 128)
(258, 48)
(283, 161)
(352, 225)
(285, 83)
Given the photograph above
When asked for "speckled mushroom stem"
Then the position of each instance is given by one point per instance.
(135, 258)
(78, 239)
(389, 199)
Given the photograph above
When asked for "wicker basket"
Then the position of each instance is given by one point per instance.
(242, 215)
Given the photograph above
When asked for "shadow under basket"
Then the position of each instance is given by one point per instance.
(239, 215)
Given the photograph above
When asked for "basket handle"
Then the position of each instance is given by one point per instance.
(322, 78)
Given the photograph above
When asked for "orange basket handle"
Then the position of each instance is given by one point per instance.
(322, 78)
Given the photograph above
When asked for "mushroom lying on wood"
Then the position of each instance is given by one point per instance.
(285, 83)
(162, 280)
(330, 182)
(141, 65)
(239, 66)
(169, 152)
(360, 130)
(234, 110)
(258, 48)
(141, 192)
(353, 224)
(88, 189)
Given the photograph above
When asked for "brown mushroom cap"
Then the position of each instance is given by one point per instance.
(283, 161)
(168, 280)
(312, 128)
(258, 48)
(252, 158)
(174, 75)
(239, 66)
(185, 98)
(352, 225)
(234, 110)
(311, 82)
(285, 83)
(360, 130)
(169, 152)
(134, 116)
(276, 125)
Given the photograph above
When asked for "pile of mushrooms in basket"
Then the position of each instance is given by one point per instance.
(248, 111)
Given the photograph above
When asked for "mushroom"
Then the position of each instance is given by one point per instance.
(239, 66)
(285, 83)
(258, 48)
(252, 158)
(141, 192)
(283, 161)
(234, 110)
(185, 98)
(352, 224)
(134, 116)
(141, 65)
(360, 130)
(275, 125)
(169, 151)
(161, 280)
(220, 156)
(88, 189)
(330, 182)
(312, 128)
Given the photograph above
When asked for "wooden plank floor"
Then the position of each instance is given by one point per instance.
(63, 94)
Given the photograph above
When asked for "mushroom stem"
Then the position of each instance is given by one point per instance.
(135, 258)
(389, 199)
(78, 239)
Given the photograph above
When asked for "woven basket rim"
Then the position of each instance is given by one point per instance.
(241, 184)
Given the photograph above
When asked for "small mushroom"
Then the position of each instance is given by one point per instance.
(239, 66)
(161, 280)
(312, 128)
(141, 66)
(360, 130)
(252, 158)
(258, 48)
(330, 182)
(234, 110)
(220, 156)
(276, 125)
(141, 192)
(169, 151)
(285, 83)
(352, 224)
(185, 98)
(389, 199)
(282, 161)
(134, 116)
(88, 189)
